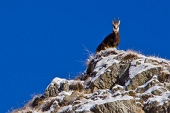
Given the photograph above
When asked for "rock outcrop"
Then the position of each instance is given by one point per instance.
(115, 81)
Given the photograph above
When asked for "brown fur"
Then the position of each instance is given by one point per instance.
(111, 41)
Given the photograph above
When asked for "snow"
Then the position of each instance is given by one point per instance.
(65, 93)
(88, 104)
(160, 99)
(152, 89)
(107, 50)
(62, 94)
(69, 108)
(35, 112)
(136, 69)
(127, 83)
(58, 80)
(118, 86)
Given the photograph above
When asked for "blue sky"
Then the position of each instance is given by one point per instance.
(41, 39)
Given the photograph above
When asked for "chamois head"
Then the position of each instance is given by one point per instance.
(116, 25)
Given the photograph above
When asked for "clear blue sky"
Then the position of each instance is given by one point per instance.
(42, 39)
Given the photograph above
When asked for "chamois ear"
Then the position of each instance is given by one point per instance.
(119, 22)
(113, 22)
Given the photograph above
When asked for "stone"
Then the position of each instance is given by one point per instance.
(52, 90)
(76, 86)
(69, 99)
(65, 86)
(126, 106)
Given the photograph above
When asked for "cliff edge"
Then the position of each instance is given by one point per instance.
(115, 81)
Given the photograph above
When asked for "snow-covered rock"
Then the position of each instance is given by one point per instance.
(115, 81)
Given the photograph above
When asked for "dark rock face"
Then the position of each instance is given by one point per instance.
(114, 82)
(52, 90)
(143, 77)
(118, 107)
(37, 101)
(105, 81)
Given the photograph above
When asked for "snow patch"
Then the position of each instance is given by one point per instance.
(88, 104)
(58, 80)
(160, 99)
(136, 69)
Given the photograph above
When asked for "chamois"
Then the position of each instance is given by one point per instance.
(112, 40)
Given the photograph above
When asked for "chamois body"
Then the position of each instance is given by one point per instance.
(112, 40)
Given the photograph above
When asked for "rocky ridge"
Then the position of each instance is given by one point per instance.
(115, 81)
